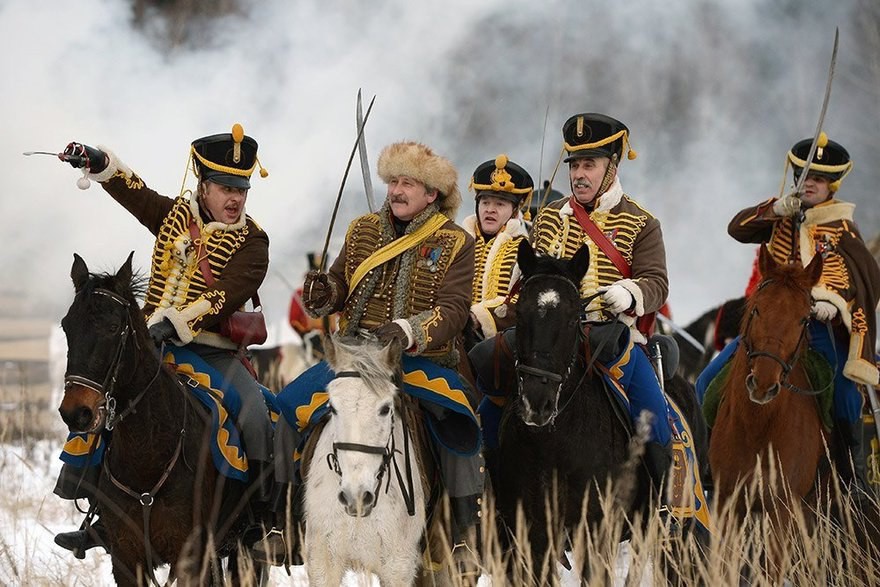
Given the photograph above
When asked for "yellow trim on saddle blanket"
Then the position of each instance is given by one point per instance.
(395, 248)
(693, 503)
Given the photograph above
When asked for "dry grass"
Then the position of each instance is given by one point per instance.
(824, 548)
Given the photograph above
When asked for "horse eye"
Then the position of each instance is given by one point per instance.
(384, 411)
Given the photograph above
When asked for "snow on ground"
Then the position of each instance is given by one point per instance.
(31, 515)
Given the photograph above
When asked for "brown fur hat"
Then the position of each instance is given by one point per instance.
(419, 162)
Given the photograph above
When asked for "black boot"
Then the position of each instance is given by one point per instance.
(849, 458)
(87, 537)
(658, 460)
(466, 539)
(282, 546)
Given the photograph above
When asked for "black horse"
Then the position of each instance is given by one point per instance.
(161, 499)
(563, 436)
(712, 330)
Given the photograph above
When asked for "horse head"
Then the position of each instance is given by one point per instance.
(362, 409)
(548, 328)
(100, 327)
(774, 333)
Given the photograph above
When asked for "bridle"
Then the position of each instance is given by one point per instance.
(789, 365)
(387, 452)
(523, 369)
(107, 386)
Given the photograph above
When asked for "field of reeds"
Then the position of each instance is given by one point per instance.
(824, 545)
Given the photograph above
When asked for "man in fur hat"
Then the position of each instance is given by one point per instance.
(796, 227)
(182, 307)
(404, 274)
(628, 266)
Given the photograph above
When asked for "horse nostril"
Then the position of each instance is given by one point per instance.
(368, 498)
(750, 382)
(774, 389)
(342, 499)
(84, 417)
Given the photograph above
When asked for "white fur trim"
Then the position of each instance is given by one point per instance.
(611, 197)
(469, 224)
(606, 201)
(180, 318)
(824, 294)
(484, 316)
(407, 330)
(113, 166)
(633, 288)
(861, 371)
(212, 226)
(828, 212)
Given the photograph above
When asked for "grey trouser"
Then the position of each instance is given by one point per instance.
(253, 418)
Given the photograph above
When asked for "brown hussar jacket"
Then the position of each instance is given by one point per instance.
(632, 230)
(427, 286)
(850, 276)
(238, 255)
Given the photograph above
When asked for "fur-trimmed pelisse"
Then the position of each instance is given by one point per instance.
(419, 162)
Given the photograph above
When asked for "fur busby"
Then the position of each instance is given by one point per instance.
(596, 135)
(419, 162)
(830, 160)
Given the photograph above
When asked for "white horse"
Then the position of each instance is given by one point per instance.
(364, 499)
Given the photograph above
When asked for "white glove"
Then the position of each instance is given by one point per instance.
(787, 205)
(616, 297)
(824, 311)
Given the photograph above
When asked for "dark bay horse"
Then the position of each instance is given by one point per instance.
(161, 499)
(768, 416)
(562, 436)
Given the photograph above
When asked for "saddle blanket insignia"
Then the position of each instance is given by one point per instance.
(686, 497)
(206, 384)
(303, 402)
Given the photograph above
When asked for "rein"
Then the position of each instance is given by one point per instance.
(789, 365)
(560, 378)
(387, 452)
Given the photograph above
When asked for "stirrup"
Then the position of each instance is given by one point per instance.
(79, 541)
(271, 549)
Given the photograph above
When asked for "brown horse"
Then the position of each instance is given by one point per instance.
(160, 497)
(768, 416)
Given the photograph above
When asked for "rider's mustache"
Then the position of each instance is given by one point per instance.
(582, 183)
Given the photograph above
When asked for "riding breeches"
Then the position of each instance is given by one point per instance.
(253, 418)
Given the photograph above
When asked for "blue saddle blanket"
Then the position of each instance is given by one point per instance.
(685, 465)
(206, 384)
(450, 418)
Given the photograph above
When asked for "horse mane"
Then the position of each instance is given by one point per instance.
(788, 277)
(135, 289)
(366, 358)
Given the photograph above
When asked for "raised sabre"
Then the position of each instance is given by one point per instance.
(323, 263)
(803, 177)
(362, 150)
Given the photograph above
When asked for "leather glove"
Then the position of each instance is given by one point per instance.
(387, 333)
(162, 331)
(616, 298)
(79, 156)
(787, 205)
(824, 311)
(316, 290)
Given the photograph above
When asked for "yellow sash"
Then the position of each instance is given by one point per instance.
(394, 248)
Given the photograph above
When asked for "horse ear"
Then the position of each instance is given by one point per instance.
(766, 263)
(329, 348)
(581, 262)
(814, 269)
(125, 273)
(392, 354)
(525, 256)
(79, 272)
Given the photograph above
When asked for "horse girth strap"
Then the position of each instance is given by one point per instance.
(396, 247)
